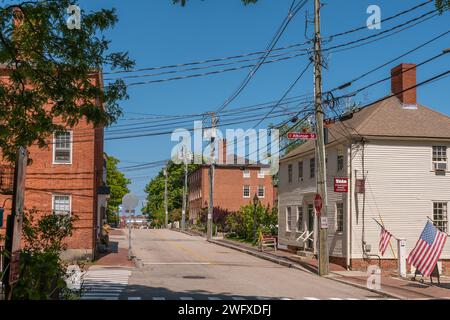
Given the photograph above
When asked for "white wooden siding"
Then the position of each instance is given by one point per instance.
(400, 188)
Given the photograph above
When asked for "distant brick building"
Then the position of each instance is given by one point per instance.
(67, 177)
(234, 186)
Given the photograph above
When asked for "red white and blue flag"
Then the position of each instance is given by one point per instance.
(385, 238)
(428, 249)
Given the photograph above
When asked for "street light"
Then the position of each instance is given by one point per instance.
(255, 204)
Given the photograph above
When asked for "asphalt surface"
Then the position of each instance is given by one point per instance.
(176, 266)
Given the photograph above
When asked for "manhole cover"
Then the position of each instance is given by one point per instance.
(194, 277)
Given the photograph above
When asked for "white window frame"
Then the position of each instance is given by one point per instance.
(61, 195)
(337, 220)
(299, 219)
(445, 221)
(246, 173)
(288, 215)
(263, 190)
(54, 149)
(261, 174)
(445, 160)
(243, 191)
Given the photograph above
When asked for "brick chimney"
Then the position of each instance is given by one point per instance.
(403, 77)
(222, 151)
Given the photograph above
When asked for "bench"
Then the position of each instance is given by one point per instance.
(267, 241)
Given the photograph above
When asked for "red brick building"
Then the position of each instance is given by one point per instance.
(234, 186)
(67, 177)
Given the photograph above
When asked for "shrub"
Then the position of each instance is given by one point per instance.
(42, 273)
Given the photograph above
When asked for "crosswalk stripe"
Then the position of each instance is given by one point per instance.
(104, 284)
(159, 298)
(261, 298)
(311, 298)
(214, 298)
(134, 298)
(285, 299)
(237, 298)
(335, 298)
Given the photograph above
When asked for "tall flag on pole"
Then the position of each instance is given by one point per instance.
(428, 249)
(385, 238)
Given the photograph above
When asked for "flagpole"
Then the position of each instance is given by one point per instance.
(384, 228)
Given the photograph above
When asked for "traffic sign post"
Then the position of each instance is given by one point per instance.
(129, 204)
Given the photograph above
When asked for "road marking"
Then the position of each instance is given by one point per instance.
(214, 298)
(261, 298)
(134, 298)
(159, 298)
(186, 298)
(237, 298)
(285, 299)
(104, 284)
(311, 298)
(335, 298)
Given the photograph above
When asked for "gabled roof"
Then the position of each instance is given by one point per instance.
(386, 118)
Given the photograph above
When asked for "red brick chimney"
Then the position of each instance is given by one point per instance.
(222, 151)
(403, 77)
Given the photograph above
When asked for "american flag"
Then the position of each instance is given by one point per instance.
(428, 249)
(385, 238)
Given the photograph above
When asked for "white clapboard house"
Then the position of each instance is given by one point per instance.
(402, 147)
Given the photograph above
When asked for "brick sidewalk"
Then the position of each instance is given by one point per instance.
(118, 251)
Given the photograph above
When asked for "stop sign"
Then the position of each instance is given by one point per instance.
(318, 203)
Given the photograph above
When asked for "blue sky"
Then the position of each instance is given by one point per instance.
(157, 33)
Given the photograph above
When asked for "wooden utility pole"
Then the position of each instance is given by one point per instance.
(211, 178)
(183, 211)
(166, 220)
(14, 225)
(320, 144)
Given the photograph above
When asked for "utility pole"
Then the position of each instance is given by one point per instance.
(14, 222)
(183, 211)
(211, 178)
(166, 221)
(320, 144)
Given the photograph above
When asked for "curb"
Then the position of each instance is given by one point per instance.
(360, 286)
(262, 256)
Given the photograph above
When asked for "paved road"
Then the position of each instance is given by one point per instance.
(177, 266)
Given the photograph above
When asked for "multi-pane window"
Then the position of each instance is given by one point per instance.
(62, 147)
(439, 157)
(339, 216)
(300, 171)
(61, 204)
(246, 173)
(290, 173)
(299, 218)
(246, 191)
(288, 218)
(312, 167)
(261, 174)
(439, 153)
(440, 215)
(261, 191)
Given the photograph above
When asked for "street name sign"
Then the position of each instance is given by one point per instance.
(301, 135)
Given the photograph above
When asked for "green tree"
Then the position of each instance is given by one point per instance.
(119, 187)
(51, 65)
(175, 183)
